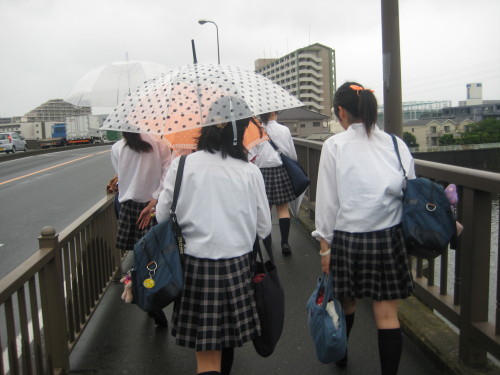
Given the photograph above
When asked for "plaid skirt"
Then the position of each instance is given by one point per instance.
(216, 309)
(128, 233)
(278, 186)
(372, 264)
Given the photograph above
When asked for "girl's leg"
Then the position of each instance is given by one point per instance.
(208, 362)
(390, 339)
(227, 361)
(284, 221)
(349, 307)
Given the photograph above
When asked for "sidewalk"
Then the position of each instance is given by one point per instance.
(122, 339)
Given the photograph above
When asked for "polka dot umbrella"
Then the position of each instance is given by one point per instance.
(197, 95)
(185, 142)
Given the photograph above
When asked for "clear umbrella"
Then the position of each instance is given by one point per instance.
(107, 85)
(197, 95)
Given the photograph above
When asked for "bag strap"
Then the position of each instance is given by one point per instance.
(395, 142)
(173, 217)
(257, 252)
(178, 181)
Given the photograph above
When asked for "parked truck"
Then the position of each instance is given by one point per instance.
(76, 130)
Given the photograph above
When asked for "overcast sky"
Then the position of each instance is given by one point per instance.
(46, 46)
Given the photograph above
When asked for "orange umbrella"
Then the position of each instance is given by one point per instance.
(185, 141)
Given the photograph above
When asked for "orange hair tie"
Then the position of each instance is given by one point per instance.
(359, 88)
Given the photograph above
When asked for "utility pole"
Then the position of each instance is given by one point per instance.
(393, 115)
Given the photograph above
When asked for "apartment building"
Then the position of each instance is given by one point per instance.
(308, 73)
(428, 131)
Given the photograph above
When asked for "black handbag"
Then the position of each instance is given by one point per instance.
(157, 275)
(298, 177)
(428, 222)
(270, 301)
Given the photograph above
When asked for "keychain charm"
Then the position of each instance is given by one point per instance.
(148, 283)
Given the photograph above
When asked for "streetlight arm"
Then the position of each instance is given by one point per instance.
(202, 22)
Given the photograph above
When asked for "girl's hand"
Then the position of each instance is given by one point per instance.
(146, 214)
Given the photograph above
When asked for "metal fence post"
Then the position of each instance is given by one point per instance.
(393, 114)
(53, 304)
(474, 264)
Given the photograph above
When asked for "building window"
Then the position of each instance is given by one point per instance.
(446, 129)
(433, 129)
(316, 124)
(302, 125)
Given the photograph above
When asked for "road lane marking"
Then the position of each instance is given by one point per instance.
(53, 167)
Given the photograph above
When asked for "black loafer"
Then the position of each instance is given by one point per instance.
(159, 318)
(285, 249)
(342, 362)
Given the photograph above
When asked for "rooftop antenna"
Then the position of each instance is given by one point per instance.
(195, 61)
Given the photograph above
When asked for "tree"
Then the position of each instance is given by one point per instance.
(484, 131)
(446, 140)
(410, 139)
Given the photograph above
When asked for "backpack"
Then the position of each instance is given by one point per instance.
(428, 222)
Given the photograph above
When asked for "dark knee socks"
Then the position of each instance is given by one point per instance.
(284, 229)
(349, 321)
(268, 243)
(227, 361)
(390, 346)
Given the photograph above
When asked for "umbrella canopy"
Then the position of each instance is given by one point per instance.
(107, 85)
(193, 96)
(187, 140)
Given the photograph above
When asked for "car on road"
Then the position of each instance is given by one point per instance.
(12, 142)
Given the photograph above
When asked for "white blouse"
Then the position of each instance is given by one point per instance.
(360, 182)
(264, 155)
(222, 205)
(140, 174)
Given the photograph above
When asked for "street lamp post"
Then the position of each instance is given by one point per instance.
(202, 22)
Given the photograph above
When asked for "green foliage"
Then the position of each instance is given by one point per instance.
(447, 140)
(410, 139)
(485, 131)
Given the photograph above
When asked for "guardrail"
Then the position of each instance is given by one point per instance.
(464, 300)
(46, 302)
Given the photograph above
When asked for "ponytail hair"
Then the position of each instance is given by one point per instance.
(136, 143)
(359, 102)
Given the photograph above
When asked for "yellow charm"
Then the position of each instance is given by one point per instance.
(148, 283)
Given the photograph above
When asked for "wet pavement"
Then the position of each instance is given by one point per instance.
(122, 339)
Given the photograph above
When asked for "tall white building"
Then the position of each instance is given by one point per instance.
(474, 94)
(308, 73)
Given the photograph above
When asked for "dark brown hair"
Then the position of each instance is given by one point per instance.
(136, 143)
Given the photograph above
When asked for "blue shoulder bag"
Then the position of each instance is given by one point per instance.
(428, 223)
(158, 276)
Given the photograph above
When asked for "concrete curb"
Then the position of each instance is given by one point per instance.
(430, 333)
